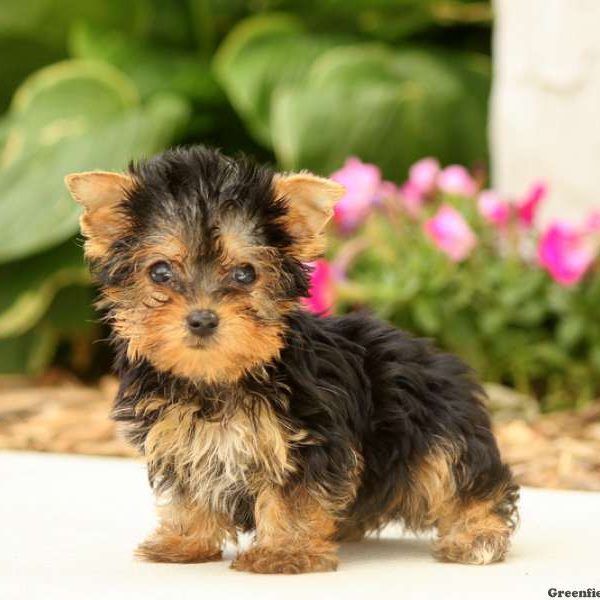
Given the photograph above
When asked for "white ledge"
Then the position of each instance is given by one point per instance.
(69, 525)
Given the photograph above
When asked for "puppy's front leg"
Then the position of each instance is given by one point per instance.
(186, 534)
(293, 535)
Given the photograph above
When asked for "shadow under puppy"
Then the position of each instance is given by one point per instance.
(253, 414)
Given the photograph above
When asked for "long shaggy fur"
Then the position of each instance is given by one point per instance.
(307, 429)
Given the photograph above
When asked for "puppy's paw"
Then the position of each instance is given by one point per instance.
(480, 550)
(177, 549)
(277, 560)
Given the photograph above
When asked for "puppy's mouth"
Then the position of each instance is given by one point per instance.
(199, 343)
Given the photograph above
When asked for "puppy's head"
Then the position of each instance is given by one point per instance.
(200, 256)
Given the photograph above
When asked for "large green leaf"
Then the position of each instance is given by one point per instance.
(72, 312)
(74, 116)
(388, 107)
(36, 212)
(32, 54)
(28, 353)
(30, 285)
(259, 55)
(153, 69)
(62, 101)
(69, 317)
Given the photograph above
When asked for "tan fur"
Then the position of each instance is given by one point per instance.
(433, 489)
(153, 317)
(160, 334)
(310, 207)
(217, 458)
(469, 532)
(294, 535)
(186, 534)
(473, 533)
(337, 501)
(100, 193)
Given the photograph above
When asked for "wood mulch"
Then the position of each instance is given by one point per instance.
(58, 414)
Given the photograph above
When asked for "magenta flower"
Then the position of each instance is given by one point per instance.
(362, 182)
(592, 223)
(457, 181)
(493, 208)
(527, 208)
(566, 252)
(412, 198)
(451, 233)
(322, 288)
(423, 175)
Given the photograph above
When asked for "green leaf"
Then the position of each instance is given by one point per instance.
(571, 330)
(30, 285)
(153, 69)
(71, 311)
(389, 108)
(62, 101)
(426, 314)
(259, 55)
(28, 353)
(69, 317)
(32, 54)
(36, 211)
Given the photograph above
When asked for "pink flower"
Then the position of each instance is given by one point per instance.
(493, 208)
(451, 233)
(387, 189)
(528, 206)
(566, 252)
(592, 223)
(423, 175)
(362, 182)
(322, 288)
(457, 181)
(413, 198)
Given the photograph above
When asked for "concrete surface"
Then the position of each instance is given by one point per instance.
(68, 525)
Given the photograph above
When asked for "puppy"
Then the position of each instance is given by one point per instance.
(253, 414)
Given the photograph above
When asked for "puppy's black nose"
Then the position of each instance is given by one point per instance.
(202, 322)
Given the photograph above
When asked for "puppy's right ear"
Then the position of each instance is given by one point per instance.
(101, 194)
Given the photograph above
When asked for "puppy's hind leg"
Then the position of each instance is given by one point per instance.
(474, 513)
(478, 531)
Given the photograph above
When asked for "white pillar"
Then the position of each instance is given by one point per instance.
(545, 119)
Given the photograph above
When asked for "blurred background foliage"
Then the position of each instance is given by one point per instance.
(91, 85)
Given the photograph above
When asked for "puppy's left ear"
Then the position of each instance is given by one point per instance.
(310, 201)
(101, 194)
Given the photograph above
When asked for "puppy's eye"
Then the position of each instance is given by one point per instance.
(161, 272)
(244, 274)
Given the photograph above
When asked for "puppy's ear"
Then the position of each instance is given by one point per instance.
(310, 201)
(101, 194)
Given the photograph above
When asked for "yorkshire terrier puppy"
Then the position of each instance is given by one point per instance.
(253, 414)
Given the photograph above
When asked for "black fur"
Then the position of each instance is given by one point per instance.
(355, 384)
(191, 187)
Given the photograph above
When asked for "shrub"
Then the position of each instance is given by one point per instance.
(441, 257)
(92, 85)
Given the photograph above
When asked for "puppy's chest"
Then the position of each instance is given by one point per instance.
(216, 461)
